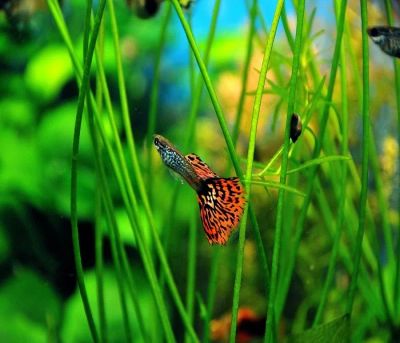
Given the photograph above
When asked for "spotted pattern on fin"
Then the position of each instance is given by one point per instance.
(202, 170)
(221, 202)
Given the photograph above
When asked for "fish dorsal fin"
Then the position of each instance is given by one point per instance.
(202, 170)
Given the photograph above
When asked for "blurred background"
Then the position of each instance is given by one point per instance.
(39, 299)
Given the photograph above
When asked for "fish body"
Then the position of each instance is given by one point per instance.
(221, 200)
(387, 38)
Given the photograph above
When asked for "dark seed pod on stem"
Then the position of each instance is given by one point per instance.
(295, 127)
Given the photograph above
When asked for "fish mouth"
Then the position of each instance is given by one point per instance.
(157, 141)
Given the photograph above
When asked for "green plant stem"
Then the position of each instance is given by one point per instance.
(99, 268)
(154, 93)
(194, 109)
(132, 208)
(116, 258)
(139, 178)
(191, 122)
(225, 131)
(83, 90)
(126, 192)
(271, 320)
(113, 232)
(317, 150)
(245, 75)
(118, 252)
(249, 166)
(98, 228)
(342, 197)
(285, 23)
(191, 268)
(396, 67)
(196, 87)
(211, 292)
(364, 164)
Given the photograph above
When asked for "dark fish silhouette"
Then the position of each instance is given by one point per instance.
(387, 38)
(149, 8)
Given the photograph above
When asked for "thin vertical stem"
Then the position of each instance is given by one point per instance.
(139, 177)
(154, 93)
(271, 320)
(83, 91)
(364, 164)
(396, 66)
(191, 268)
(224, 129)
(342, 197)
(245, 75)
(318, 147)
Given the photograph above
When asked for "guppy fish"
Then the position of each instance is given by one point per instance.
(221, 200)
(387, 38)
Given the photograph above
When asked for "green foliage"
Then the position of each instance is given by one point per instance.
(28, 308)
(336, 331)
(74, 328)
(83, 92)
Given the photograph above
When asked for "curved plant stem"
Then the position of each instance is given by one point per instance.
(83, 91)
(364, 164)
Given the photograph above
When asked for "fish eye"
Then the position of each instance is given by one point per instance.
(373, 32)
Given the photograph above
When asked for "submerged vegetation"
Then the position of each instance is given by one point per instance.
(99, 243)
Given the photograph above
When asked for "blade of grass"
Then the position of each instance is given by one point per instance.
(154, 93)
(74, 164)
(396, 66)
(191, 268)
(194, 108)
(98, 230)
(118, 252)
(317, 150)
(122, 176)
(196, 87)
(211, 292)
(249, 166)
(342, 198)
(364, 164)
(277, 185)
(139, 177)
(271, 319)
(191, 122)
(132, 211)
(225, 131)
(245, 74)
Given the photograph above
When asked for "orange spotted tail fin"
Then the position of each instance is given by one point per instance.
(221, 202)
